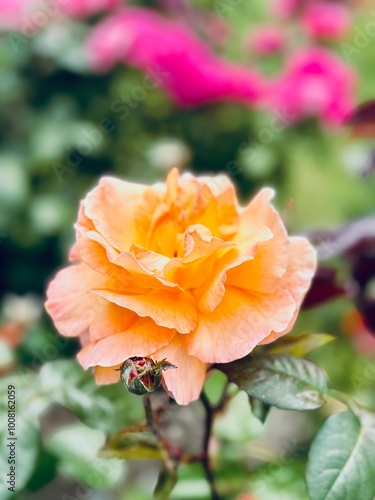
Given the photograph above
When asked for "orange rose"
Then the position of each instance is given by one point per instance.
(178, 271)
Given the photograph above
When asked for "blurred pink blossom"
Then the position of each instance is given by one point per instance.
(13, 13)
(315, 83)
(20, 15)
(173, 56)
(266, 39)
(83, 8)
(284, 8)
(326, 20)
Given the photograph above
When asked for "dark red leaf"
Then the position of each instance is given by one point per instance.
(363, 120)
(323, 288)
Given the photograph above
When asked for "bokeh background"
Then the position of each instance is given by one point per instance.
(259, 91)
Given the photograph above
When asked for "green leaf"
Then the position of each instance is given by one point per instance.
(165, 484)
(259, 409)
(107, 408)
(279, 380)
(132, 443)
(300, 345)
(76, 446)
(26, 452)
(341, 463)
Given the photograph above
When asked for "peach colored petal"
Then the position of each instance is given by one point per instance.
(218, 201)
(124, 267)
(172, 186)
(239, 323)
(274, 253)
(199, 243)
(186, 381)
(170, 309)
(109, 319)
(152, 261)
(69, 301)
(98, 254)
(262, 274)
(213, 292)
(111, 206)
(74, 253)
(141, 339)
(201, 249)
(297, 279)
(259, 212)
(106, 376)
(147, 278)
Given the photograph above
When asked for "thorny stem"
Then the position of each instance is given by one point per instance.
(168, 460)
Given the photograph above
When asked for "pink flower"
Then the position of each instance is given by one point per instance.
(20, 15)
(265, 40)
(83, 8)
(13, 13)
(173, 56)
(315, 83)
(285, 8)
(326, 20)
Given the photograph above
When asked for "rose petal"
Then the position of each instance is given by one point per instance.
(170, 309)
(141, 339)
(272, 257)
(106, 376)
(186, 381)
(69, 301)
(297, 279)
(239, 323)
(214, 289)
(109, 319)
(124, 267)
(112, 206)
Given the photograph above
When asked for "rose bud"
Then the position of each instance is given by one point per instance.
(143, 375)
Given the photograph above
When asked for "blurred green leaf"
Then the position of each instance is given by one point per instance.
(214, 386)
(341, 464)
(166, 482)
(237, 424)
(259, 409)
(77, 448)
(133, 443)
(279, 480)
(279, 380)
(301, 344)
(26, 452)
(107, 408)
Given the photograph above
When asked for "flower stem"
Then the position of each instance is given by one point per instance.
(168, 460)
(210, 413)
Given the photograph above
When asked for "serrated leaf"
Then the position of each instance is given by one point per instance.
(301, 344)
(165, 484)
(132, 443)
(341, 463)
(279, 380)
